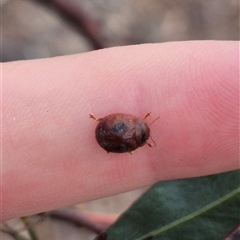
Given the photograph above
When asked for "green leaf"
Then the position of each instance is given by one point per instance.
(198, 208)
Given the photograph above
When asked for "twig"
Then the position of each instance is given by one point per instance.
(78, 19)
(78, 218)
(27, 223)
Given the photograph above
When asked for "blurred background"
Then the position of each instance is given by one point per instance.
(45, 28)
(34, 29)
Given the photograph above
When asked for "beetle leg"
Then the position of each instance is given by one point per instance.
(131, 152)
(153, 141)
(150, 144)
(147, 115)
(96, 119)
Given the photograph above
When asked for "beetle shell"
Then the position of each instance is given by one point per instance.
(121, 132)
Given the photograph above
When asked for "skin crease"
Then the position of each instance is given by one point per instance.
(50, 157)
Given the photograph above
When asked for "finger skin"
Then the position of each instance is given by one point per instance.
(50, 156)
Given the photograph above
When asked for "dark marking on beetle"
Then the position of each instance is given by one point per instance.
(144, 136)
(119, 127)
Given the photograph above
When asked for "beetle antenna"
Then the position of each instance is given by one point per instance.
(154, 120)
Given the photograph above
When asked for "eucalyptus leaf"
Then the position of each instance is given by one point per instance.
(204, 208)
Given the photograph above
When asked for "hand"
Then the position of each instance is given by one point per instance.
(50, 156)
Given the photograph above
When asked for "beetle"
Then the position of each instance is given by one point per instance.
(121, 132)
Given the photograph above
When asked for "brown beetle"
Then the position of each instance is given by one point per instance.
(120, 132)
